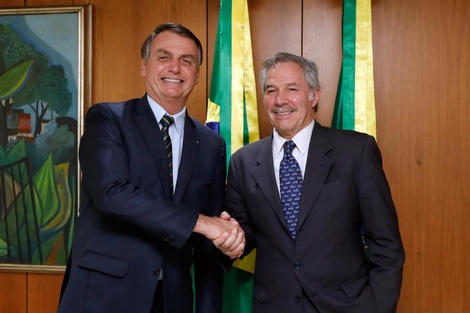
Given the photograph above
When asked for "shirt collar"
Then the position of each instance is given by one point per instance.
(301, 140)
(158, 111)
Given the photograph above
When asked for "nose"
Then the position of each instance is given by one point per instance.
(280, 99)
(174, 66)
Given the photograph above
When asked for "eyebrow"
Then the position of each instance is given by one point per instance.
(294, 84)
(183, 56)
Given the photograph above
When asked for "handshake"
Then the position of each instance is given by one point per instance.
(224, 232)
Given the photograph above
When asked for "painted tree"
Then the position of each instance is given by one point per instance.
(46, 93)
(45, 89)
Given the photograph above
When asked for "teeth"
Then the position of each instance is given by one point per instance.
(170, 80)
(282, 111)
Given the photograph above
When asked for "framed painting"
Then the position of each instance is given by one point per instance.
(45, 68)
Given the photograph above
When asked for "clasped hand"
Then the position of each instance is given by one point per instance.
(224, 232)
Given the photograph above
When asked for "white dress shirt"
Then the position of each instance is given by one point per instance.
(176, 132)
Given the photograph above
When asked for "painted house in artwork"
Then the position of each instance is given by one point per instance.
(19, 125)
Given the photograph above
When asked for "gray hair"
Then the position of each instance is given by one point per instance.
(175, 28)
(309, 67)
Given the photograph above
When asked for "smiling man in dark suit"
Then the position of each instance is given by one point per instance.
(152, 190)
(301, 196)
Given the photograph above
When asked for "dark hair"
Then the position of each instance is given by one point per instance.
(175, 28)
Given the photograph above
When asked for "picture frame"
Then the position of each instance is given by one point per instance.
(45, 88)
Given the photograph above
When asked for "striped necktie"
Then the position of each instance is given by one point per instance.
(290, 181)
(166, 122)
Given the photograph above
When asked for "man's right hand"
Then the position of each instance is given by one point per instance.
(224, 232)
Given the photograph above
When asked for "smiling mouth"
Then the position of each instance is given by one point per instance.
(283, 110)
(172, 80)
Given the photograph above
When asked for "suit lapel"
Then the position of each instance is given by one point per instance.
(316, 171)
(150, 131)
(190, 148)
(264, 177)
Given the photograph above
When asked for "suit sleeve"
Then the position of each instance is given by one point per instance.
(235, 202)
(385, 250)
(105, 163)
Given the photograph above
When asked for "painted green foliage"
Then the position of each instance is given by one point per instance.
(13, 80)
(38, 179)
(35, 236)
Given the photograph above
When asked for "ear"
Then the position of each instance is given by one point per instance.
(142, 68)
(197, 77)
(314, 95)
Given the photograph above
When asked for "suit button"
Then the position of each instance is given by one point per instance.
(297, 299)
(297, 265)
(156, 271)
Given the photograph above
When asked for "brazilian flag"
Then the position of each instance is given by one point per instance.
(355, 103)
(232, 112)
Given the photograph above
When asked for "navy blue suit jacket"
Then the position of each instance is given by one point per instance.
(130, 228)
(325, 268)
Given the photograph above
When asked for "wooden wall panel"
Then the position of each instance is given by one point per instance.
(321, 42)
(422, 76)
(12, 293)
(35, 3)
(43, 292)
(12, 3)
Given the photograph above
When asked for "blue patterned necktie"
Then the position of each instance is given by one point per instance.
(290, 181)
(166, 122)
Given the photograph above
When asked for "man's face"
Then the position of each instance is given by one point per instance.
(171, 71)
(288, 99)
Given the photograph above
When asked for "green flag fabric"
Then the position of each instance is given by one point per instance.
(355, 104)
(232, 112)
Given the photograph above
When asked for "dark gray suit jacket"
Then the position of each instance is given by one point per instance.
(129, 228)
(325, 268)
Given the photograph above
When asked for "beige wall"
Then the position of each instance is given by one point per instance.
(422, 77)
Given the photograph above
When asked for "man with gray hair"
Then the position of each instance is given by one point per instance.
(302, 195)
